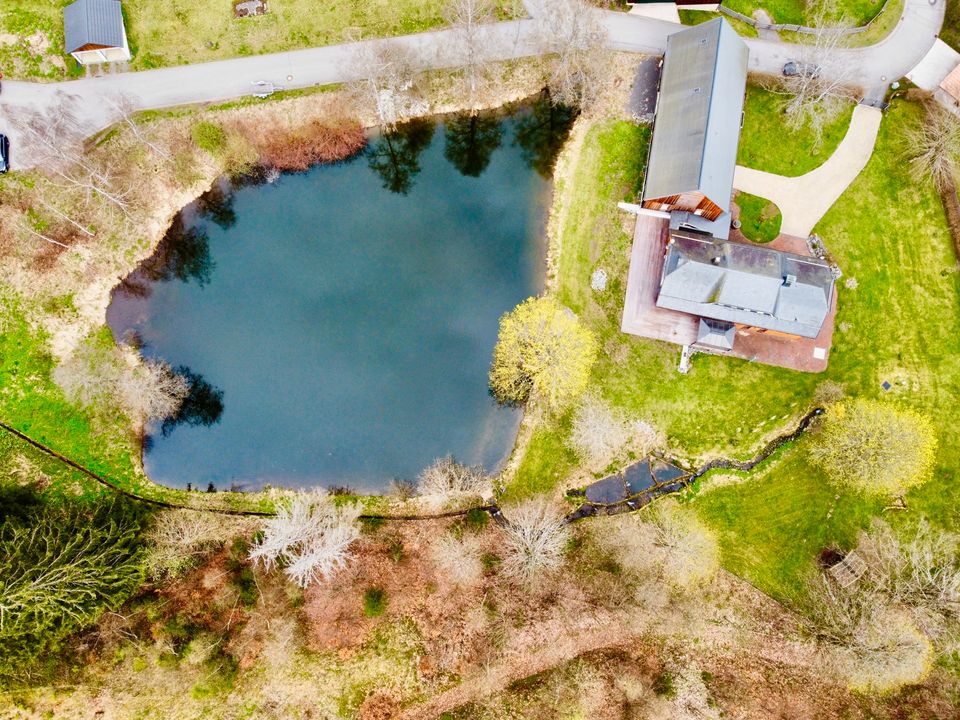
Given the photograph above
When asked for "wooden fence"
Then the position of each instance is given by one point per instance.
(797, 28)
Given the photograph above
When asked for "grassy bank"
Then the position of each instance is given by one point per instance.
(798, 12)
(695, 17)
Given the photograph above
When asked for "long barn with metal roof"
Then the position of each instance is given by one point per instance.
(694, 150)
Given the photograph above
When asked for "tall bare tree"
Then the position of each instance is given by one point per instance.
(447, 478)
(386, 86)
(125, 107)
(572, 31)
(875, 645)
(150, 390)
(54, 138)
(932, 146)
(536, 539)
(471, 44)
(310, 537)
(822, 85)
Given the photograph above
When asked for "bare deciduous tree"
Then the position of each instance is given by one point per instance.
(145, 389)
(571, 31)
(178, 539)
(876, 646)
(310, 537)
(601, 432)
(536, 537)
(829, 392)
(471, 43)
(458, 559)
(54, 139)
(150, 390)
(386, 86)
(125, 108)
(919, 569)
(821, 87)
(687, 550)
(447, 478)
(932, 146)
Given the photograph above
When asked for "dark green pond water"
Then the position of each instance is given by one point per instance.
(337, 325)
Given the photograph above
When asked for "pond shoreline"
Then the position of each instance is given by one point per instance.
(221, 180)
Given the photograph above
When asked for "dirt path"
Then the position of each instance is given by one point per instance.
(729, 619)
(496, 678)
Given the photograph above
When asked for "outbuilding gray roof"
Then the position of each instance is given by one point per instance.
(716, 333)
(746, 284)
(93, 22)
(698, 118)
(719, 228)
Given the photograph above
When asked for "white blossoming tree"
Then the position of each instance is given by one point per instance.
(309, 538)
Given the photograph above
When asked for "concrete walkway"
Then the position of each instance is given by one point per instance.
(805, 199)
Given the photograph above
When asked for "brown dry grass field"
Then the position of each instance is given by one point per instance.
(599, 641)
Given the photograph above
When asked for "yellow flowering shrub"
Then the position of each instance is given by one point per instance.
(875, 447)
(542, 352)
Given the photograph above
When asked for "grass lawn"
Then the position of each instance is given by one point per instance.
(950, 32)
(99, 439)
(766, 143)
(900, 323)
(545, 464)
(799, 12)
(175, 32)
(773, 524)
(760, 219)
(695, 17)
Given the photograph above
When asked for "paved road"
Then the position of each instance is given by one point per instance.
(805, 199)
(205, 82)
(876, 65)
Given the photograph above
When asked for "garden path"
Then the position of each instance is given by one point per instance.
(805, 199)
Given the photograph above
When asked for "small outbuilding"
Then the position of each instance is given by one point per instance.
(93, 32)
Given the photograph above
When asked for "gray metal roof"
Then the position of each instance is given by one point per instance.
(716, 333)
(719, 228)
(93, 22)
(746, 284)
(698, 117)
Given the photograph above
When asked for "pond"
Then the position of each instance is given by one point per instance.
(336, 326)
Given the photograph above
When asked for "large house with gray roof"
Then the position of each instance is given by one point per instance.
(735, 284)
(724, 287)
(93, 32)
